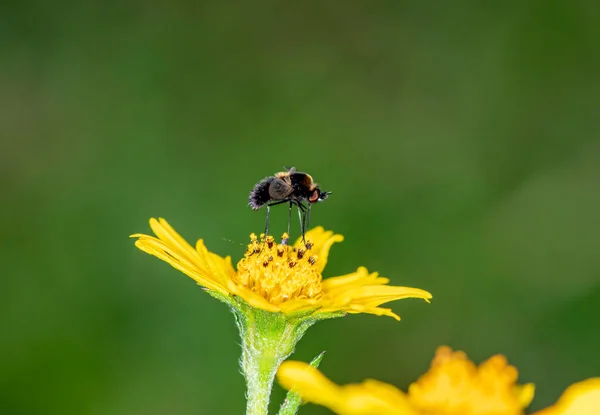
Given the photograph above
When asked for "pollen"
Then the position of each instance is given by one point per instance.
(279, 272)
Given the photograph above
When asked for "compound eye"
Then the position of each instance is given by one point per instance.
(314, 197)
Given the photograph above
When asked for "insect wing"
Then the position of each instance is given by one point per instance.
(280, 189)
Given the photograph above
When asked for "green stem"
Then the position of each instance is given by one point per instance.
(259, 370)
(267, 340)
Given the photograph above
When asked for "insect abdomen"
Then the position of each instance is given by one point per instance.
(259, 195)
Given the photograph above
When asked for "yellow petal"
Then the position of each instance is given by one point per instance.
(368, 398)
(378, 311)
(525, 394)
(317, 236)
(166, 233)
(363, 292)
(374, 296)
(321, 244)
(360, 277)
(393, 396)
(206, 268)
(309, 382)
(582, 398)
(155, 247)
(220, 268)
(252, 298)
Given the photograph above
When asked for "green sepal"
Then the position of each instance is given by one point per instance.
(268, 339)
(227, 299)
(293, 400)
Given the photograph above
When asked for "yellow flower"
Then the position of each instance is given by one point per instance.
(452, 386)
(581, 398)
(276, 277)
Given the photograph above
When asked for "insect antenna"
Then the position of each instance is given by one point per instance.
(233, 242)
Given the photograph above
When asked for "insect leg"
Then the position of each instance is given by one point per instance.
(279, 202)
(302, 216)
(269, 211)
(307, 217)
(267, 221)
(289, 218)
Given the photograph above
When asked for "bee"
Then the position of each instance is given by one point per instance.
(291, 186)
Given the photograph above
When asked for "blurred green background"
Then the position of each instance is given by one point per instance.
(461, 141)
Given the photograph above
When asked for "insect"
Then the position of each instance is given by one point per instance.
(291, 186)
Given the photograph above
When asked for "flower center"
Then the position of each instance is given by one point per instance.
(456, 386)
(279, 272)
